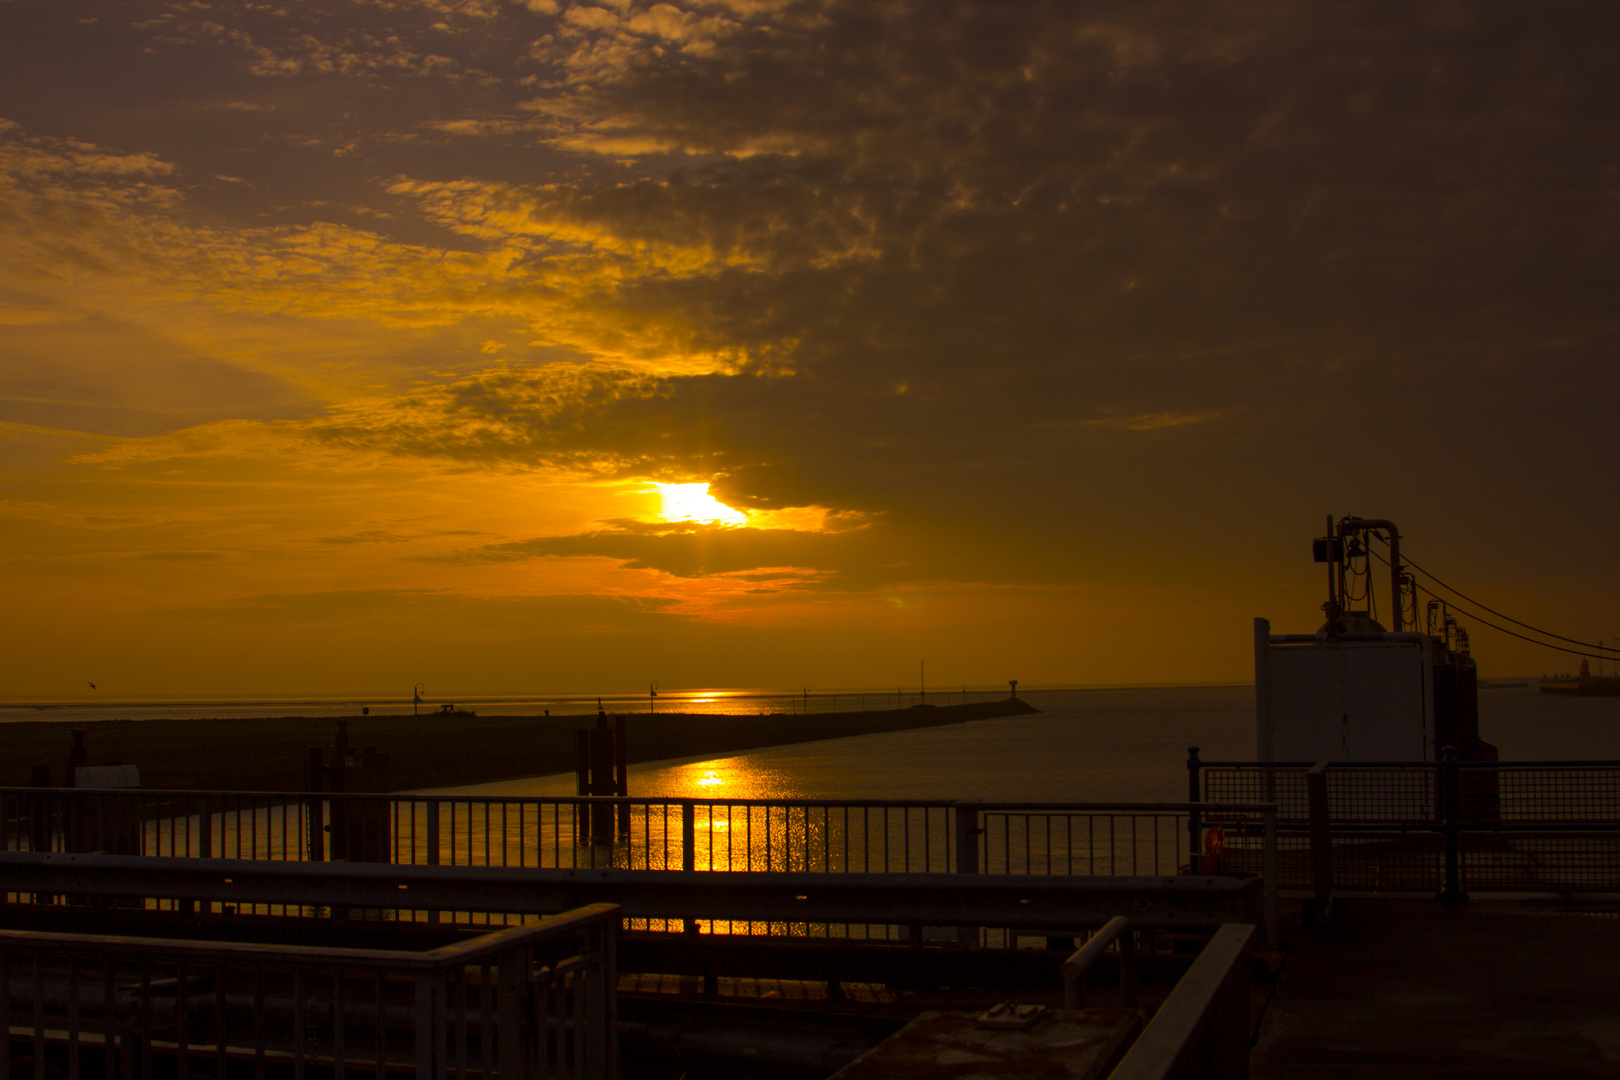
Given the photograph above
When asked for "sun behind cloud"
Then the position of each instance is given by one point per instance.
(692, 502)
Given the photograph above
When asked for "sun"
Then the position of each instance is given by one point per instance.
(692, 502)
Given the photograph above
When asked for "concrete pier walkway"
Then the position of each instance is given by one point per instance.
(1487, 991)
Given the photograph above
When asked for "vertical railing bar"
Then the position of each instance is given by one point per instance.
(72, 1018)
(145, 999)
(37, 1008)
(258, 1022)
(109, 1012)
(485, 1000)
(221, 988)
(300, 1047)
(382, 1033)
(339, 1049)
(182, 1033)
(458, 1021)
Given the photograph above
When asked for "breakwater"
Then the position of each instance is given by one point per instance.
(430, 750)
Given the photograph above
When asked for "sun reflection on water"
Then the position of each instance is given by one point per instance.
(725, 778)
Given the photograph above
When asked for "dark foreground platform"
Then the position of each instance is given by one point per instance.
(1485, 991)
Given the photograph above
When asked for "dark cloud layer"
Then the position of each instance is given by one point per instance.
(1079, 274)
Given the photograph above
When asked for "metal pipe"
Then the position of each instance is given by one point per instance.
(1075, 967)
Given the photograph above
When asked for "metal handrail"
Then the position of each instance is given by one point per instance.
(514, 998)
(457, 954)
(1202, 1029)
(1075, 967)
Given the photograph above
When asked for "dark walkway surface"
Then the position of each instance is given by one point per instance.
(1491, 991)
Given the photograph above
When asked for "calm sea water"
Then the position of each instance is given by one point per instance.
(1095, 744)
(1085, 745)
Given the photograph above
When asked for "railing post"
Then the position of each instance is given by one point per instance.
(1195, 825)
(688, 835)
(205, 828)
(428, 1027)
(1451, 825)
(967, 858)
(1271, 877)
(689, 853)
(431, 829)
(1321, 840)
(316, 808)
(511, 972)
(1127, 968)
(609, 990)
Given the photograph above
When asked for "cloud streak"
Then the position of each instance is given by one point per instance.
(966, 294)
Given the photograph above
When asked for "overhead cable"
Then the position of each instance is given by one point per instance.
(1602, 652)
(1548, 633)
(1504, 630)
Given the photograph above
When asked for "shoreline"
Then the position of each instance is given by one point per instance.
(431, 750)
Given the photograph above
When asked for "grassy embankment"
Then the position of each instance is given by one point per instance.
(429, 750)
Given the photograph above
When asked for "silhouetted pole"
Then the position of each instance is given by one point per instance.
(582, 785)
(602, 781)
(621, 773)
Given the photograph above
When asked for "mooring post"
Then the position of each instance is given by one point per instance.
(1451, 825)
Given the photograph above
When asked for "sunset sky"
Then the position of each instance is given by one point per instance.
(346, 345)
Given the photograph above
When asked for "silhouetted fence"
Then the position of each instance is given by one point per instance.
(1445, 827)
(802, 835)
(723, 836)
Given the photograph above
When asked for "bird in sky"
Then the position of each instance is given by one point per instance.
(92, 686)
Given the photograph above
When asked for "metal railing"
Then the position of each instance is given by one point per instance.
(1444, 826)
(521, 1003)
(577, 833)
(799, 835)
(1202, 1029)
(1117, 932)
